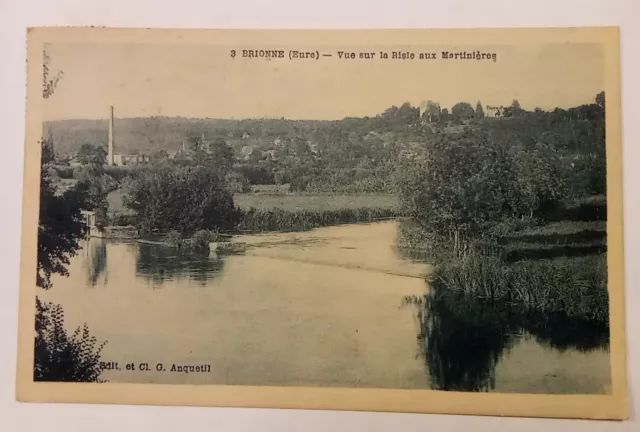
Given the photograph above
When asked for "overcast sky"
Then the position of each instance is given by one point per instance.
(204, 81)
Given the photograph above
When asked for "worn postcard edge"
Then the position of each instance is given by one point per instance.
(610, 406)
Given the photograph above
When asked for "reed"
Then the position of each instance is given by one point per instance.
(575, 286)
(277, 219)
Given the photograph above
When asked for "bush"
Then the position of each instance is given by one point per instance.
(201, 239)
(118, 173)
(62, 357)
(198, 242)
(174, 239)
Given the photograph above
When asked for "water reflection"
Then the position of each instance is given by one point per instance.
(158, 264)
(96, 262)
(462, 341)
(318, 308)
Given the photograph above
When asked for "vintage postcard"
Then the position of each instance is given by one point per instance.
(401, 220)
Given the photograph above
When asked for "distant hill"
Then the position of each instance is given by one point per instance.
(360, 154)
(577, 129)
(146, 135)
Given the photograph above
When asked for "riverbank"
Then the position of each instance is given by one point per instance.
(286, 212)
(557, 268)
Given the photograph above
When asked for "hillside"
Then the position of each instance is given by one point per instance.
(355, 154)
(150, 134)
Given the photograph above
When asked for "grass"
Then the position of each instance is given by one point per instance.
(271, 189)
(555, 240)
(563, 227)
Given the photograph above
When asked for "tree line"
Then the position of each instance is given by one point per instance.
(464, 183)
(349, 155)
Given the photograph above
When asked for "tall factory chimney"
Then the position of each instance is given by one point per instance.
(110, 155)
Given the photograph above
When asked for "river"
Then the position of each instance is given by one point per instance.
(318, 308)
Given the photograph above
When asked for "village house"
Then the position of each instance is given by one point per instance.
(123, 160)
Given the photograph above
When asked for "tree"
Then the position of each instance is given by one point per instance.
(49, 84)
(58, 356)
(61, 227)
(538, 179)
(237, 182)
(390, 112)
(62, 357)
(444, 115)
(197, 152)
(479, 110)
(600, 99)
(48, 154)
(514, 110)
(92, 155)
(433, 111)
(97, 183)
(462, 111)
(159, 156)
(459, 188)
(405, 114)
(183, 199)
(221, 154)
(301, 147)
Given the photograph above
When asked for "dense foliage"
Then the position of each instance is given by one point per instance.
(60, 229)
(62, 357)
(463, 183)
(184, 199)
(89, 154)
(59, 356)
(352, 155)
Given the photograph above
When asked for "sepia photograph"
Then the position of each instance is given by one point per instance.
(400, 218)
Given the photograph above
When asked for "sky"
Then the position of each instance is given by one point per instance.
(142, 80)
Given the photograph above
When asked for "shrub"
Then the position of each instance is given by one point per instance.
(198, 242)
(201, 239)
(174, 239)
(59, 356)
